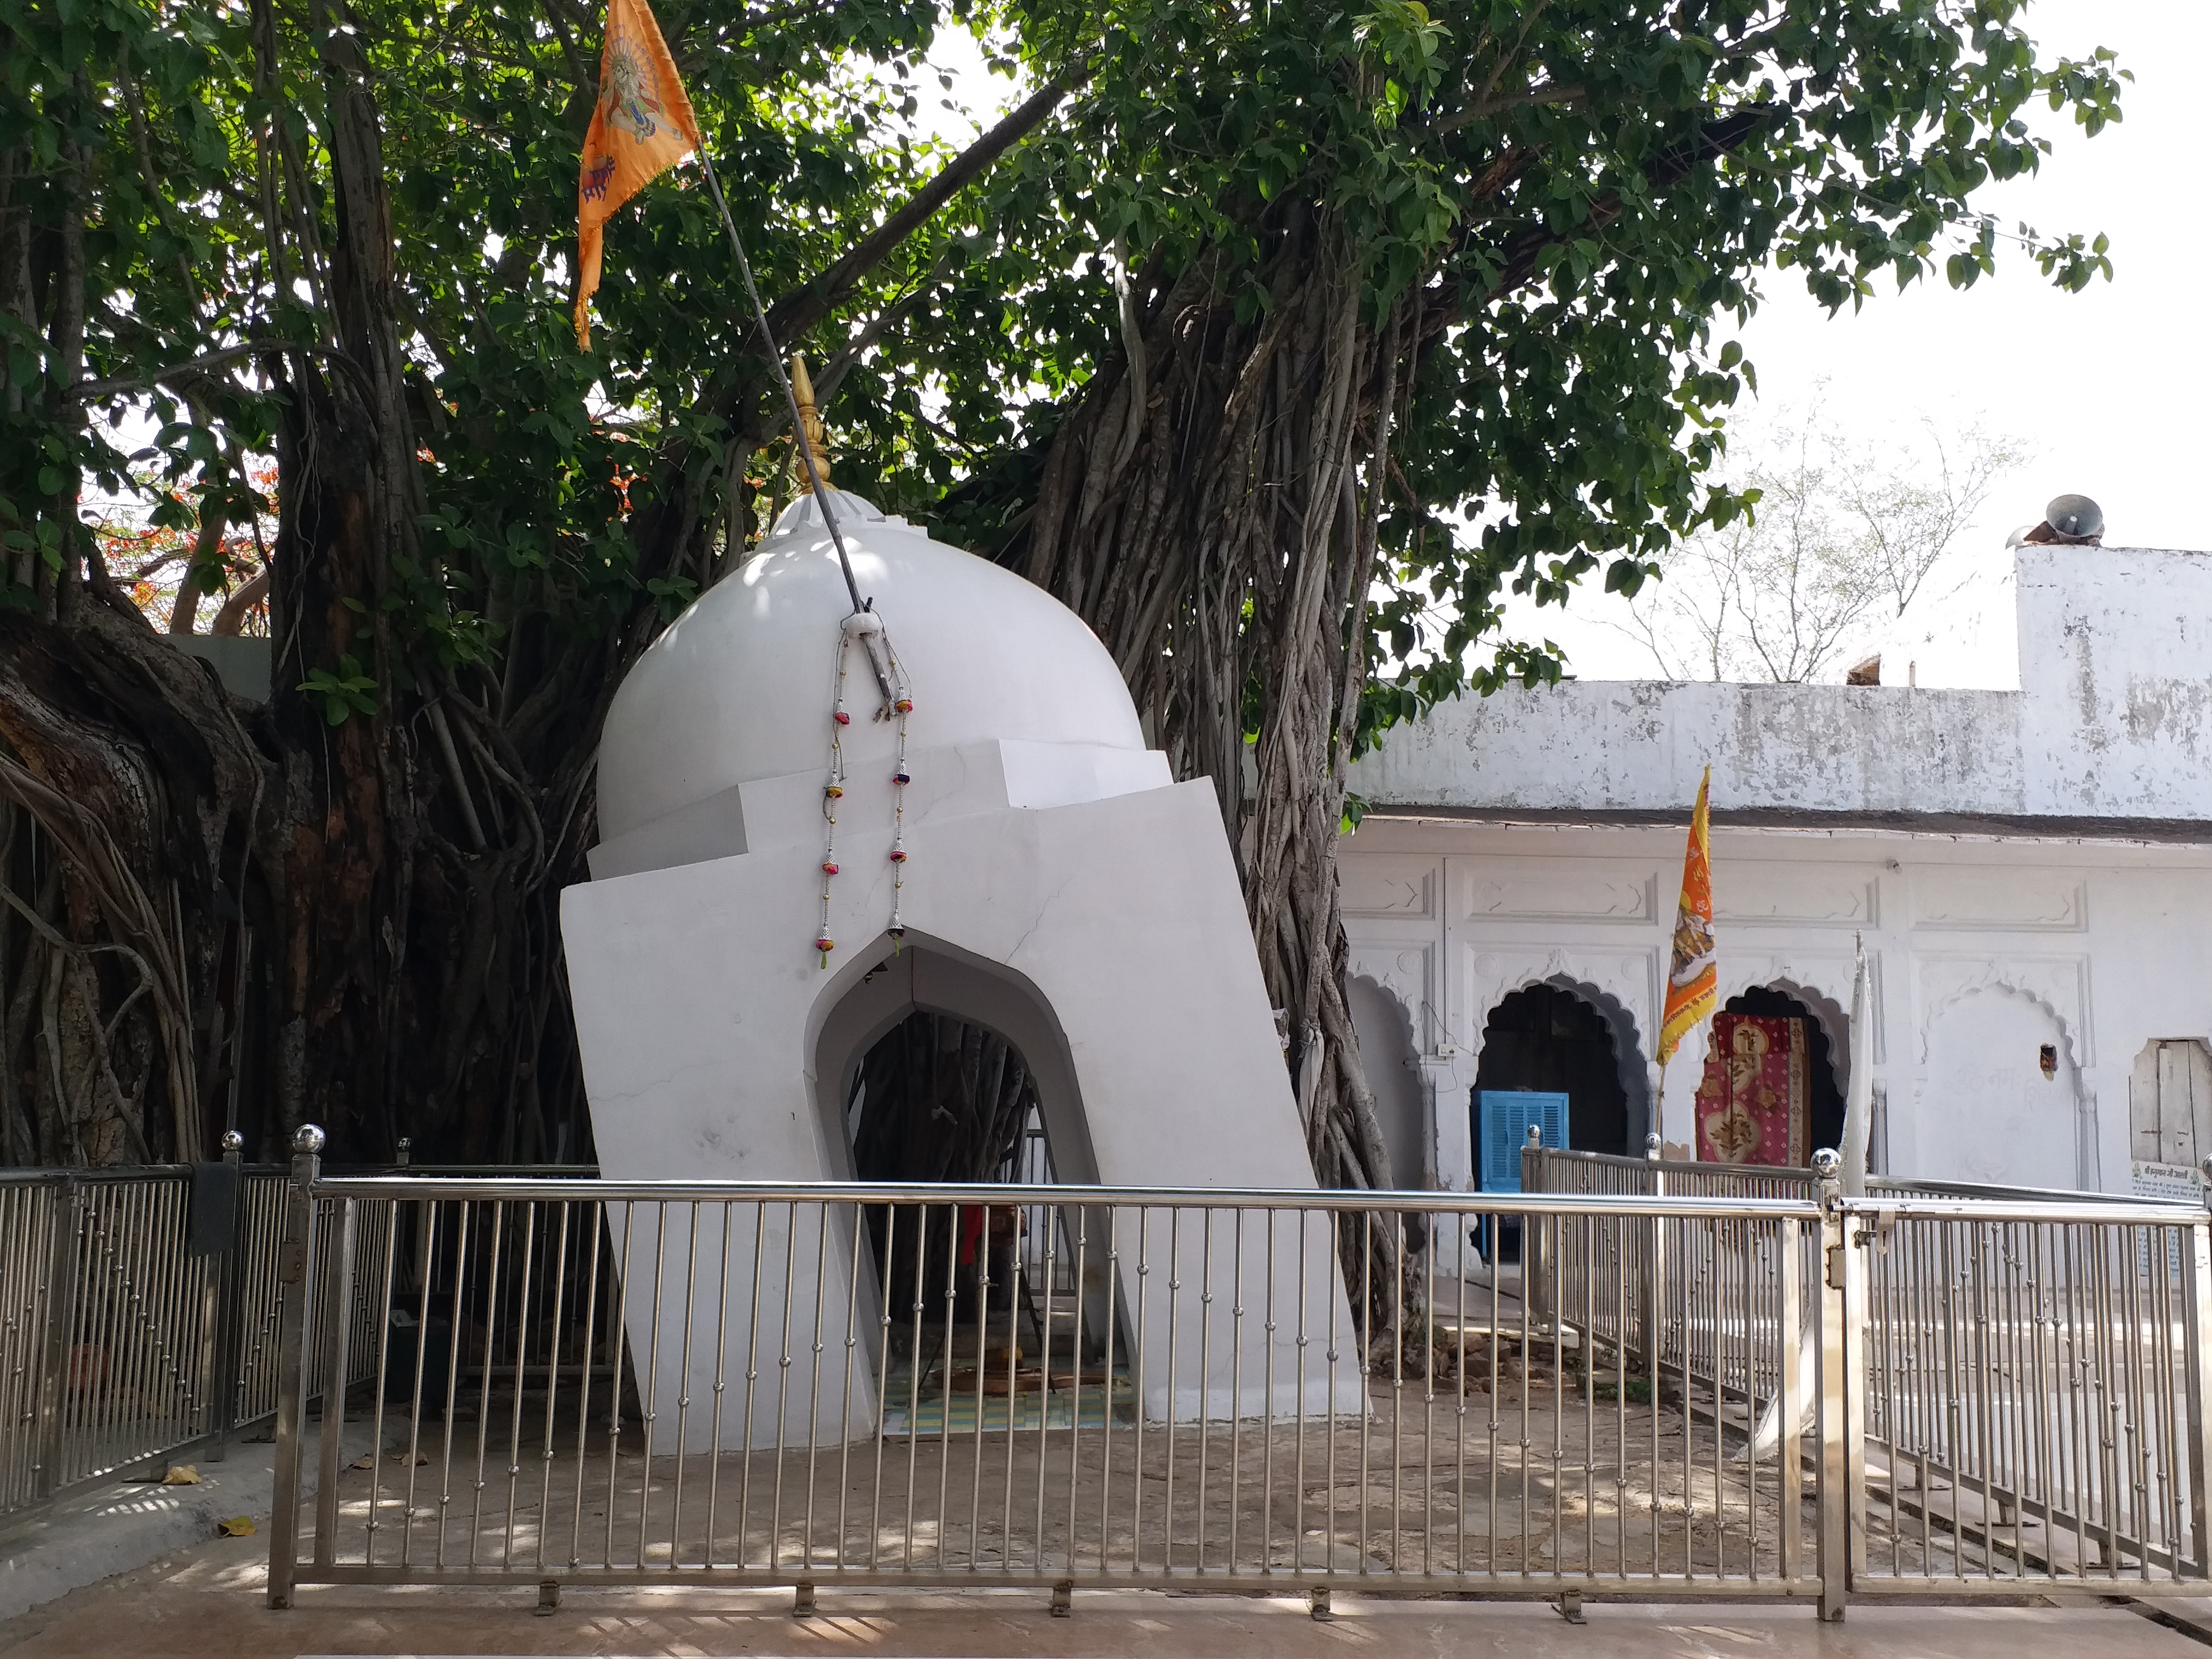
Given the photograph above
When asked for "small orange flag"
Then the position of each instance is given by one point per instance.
(1693, 976)
(643, 127)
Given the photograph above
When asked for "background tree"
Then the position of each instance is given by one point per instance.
(339, 240)
(1372, 271)
(1273, 340)
(1844, 539)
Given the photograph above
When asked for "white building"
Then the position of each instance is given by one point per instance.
(2031, 872)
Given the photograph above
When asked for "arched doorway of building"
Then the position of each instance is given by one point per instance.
(1546, 1038)
(938, 1098)
(935, 1116)
(1823, 1114)
(1392, 1059)
(941, 1098)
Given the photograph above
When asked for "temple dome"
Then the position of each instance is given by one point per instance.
(740, 687)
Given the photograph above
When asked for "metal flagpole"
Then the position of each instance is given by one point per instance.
(878, 659)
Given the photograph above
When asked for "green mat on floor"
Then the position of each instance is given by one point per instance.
(1089, 1407)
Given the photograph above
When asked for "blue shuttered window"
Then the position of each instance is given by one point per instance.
(1503, 1116)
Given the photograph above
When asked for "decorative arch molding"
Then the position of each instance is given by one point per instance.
(1406, 973)
(1404, 1032)
(1619, 985)
(1622, 983)
(879, 987)
(1822, 982)
(2058, 985)
(1627, 1043)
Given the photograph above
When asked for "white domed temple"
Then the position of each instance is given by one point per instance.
(1005, 851)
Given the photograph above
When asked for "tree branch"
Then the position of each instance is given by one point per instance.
(1484, 111)
(1714, 139)
(87, 391)
(825, 383)
(796, 312)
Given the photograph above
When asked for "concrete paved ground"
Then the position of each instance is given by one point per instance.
(115, 1527)
(207, 1600)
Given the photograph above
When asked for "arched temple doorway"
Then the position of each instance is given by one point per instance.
(2000, 1097)
(1391, 1057)
(1824, 1105)
(933, 1067)
(926, 1026)
(1548, 1038)
(941, 1098)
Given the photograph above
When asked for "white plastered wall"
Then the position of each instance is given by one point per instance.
(2105, 944)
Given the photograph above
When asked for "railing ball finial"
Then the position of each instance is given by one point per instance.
(233, 1142)
(309, 1140)
(1651, 1146)
(1536, 1135)
(1828, 1180)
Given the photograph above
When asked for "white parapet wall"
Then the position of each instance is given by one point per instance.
(2113, 718)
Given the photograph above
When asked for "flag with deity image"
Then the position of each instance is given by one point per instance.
(643, 125)
(1692, 975)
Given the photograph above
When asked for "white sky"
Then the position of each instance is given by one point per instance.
(2107, 386)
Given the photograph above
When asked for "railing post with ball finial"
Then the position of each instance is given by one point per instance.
(295, 1275)
(1834, 1423)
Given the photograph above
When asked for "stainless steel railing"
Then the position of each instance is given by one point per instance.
(119, 1342)
(1687, 1397)
(1683, 1292)
(2024, 1369)
(140, 1314)
(680, 1383)
(2033, 1392)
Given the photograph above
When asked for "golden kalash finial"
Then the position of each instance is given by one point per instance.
(802, 389)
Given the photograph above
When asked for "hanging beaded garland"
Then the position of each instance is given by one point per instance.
(900, 778)
(863, 625)
(832, 793)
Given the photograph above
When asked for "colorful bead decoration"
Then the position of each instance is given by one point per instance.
(832, 793)
(903, 705)
(864, 625)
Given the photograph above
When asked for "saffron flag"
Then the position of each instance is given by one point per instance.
(643, 126)
(1693, 978)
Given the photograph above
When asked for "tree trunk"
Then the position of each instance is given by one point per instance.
(1210, 508)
